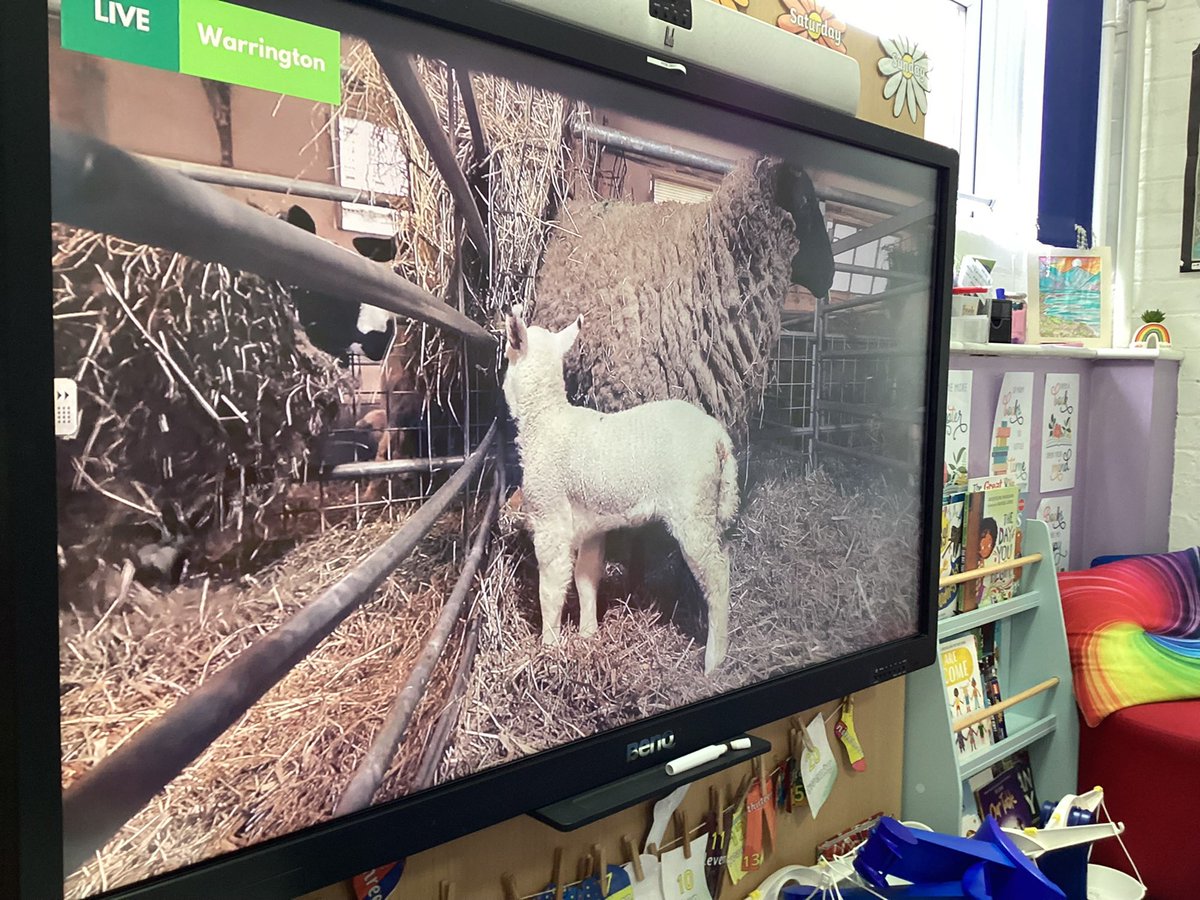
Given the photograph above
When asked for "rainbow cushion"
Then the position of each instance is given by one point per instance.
(1133, 627)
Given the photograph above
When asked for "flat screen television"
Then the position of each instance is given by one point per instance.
(379, 335)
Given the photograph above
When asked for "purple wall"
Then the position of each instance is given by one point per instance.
(1121, 502)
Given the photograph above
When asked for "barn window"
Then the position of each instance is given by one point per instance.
(370, 158)
(666, 191)
(849, 277)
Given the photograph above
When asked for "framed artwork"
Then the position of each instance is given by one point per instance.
(1070, 297)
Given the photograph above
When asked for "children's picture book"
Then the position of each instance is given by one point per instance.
(1006, 793)
(964, 692)
(953, 506)
(993, 524)
(989, 668)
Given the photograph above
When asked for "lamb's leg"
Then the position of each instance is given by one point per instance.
(701, 548)
(589, 568)
(554, 573)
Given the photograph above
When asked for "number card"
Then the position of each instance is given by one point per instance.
(683, 876)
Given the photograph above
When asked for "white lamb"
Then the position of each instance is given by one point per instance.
(587, 473)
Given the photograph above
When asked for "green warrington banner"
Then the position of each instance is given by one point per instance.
(210, 39)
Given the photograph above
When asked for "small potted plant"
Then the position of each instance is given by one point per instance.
(1153, 333)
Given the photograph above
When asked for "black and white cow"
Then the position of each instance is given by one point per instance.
(341, 328)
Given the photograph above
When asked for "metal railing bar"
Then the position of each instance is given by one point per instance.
(261, 181)
(107, 796)
(101, 187)
(864, 455)
(907, 290)
(383, 468)
(906, 218)
(370, 772)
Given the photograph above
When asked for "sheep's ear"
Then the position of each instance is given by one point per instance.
(518, 338)
(567, 336)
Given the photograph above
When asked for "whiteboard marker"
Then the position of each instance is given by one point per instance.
(705, 754)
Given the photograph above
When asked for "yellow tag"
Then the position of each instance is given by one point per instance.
(844, 729)
(737, 842)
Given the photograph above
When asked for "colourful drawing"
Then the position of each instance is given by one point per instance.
(1070, 291)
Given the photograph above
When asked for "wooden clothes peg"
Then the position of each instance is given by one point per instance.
(559, 887)
(446, 890)
(639, 874)
(509, 885)
(806, 741)
(681, 828)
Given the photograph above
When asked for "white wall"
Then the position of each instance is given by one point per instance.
(1173, 32)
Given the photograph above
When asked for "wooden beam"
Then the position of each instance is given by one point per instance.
(463, 78)
(401, 72)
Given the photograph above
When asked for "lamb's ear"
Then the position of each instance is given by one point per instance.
(518, 338)
(567, 336)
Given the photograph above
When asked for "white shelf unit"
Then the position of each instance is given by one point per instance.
(1033, 648)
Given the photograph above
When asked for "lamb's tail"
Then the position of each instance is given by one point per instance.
(727, 488)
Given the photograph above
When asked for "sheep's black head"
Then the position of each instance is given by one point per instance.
(812, 266)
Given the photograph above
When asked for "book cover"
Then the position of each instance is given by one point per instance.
(1004, 799)
(1016, 766)
(989, 668)
(1019, 763)
(953, 507)
(993, 523)
(964, 692)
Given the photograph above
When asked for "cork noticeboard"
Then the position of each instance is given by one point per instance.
(524, 847)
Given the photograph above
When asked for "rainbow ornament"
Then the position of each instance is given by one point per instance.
(1133, 627)
(1152, 335)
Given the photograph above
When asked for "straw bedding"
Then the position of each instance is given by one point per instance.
(818, 570)
(283, 765)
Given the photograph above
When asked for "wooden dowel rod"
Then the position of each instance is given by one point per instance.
(1019, 562)
(988, 711)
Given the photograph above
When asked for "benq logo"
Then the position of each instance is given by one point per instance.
(641, 749)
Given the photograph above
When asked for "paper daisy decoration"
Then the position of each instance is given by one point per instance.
(811, 20)
(906, 68)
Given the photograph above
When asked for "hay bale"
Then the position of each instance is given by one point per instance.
(199, 396)
(679, 300)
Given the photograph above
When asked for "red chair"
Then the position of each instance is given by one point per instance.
(1133, 626)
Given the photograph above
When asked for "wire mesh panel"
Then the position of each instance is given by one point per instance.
(854, 372)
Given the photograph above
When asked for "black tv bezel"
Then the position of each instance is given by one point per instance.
(30, 791)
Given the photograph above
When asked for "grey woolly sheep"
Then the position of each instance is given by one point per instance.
(683, 300)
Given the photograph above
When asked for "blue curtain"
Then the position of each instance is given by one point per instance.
(1072, 87)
